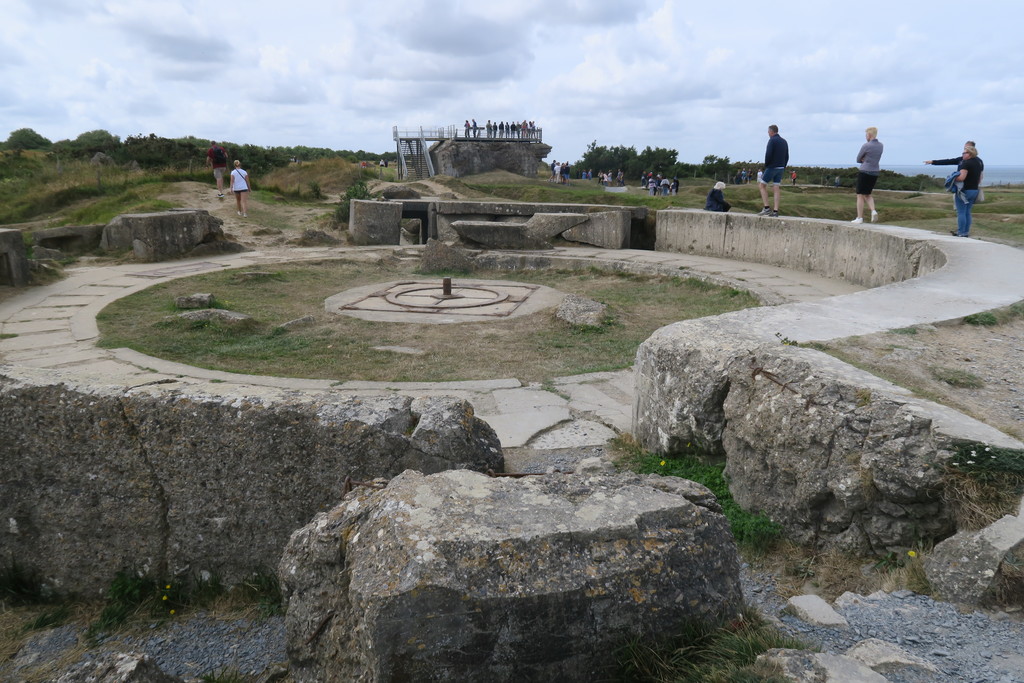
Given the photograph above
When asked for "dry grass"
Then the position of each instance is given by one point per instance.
(532, 348)
(332, 175)
(977, 502)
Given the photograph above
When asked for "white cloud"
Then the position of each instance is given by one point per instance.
(700, 78)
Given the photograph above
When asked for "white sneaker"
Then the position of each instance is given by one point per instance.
(857, 221)
(238, 212)
(874, 216)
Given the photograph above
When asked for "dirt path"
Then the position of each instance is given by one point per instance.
(269, 224)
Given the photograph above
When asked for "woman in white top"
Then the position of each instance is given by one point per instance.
(240, 186)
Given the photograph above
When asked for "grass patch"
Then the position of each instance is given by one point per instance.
(986, 319)
(754, 533)
(982, 483)
(723, 652)
(955, 377)
(341, 348)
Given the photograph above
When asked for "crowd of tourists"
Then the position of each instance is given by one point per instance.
(519, 130)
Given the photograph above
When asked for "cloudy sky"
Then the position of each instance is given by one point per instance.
(699, 77)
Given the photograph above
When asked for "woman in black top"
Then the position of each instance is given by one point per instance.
(716, 199)
(970, 175)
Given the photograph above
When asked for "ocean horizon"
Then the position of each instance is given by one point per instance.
(994, 175)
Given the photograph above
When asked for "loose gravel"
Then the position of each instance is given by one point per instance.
(963, 646)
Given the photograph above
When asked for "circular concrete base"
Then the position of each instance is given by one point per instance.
(423, 301)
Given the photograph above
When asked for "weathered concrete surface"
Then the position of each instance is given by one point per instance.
(94, 480)
(548, 225)
(835, 455)
(969, 566)
(440, 257)
(862, 254)
(441, 214)
(459, 158)
(461, 577)
(164, 235)
(499, 235)
(605, 229)
(375, 222)
(14, 266)
(70, 239)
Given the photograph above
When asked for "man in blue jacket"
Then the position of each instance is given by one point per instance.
(776, 157)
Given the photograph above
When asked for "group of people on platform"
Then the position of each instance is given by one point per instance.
(965, 181)
(499, 129)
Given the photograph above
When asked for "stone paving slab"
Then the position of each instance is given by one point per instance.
(36, 341)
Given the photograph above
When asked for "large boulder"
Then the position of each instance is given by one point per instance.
(969, 566)
(100, 479)
(458, 576)
(161, 236)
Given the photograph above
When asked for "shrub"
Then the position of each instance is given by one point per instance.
(355, 191)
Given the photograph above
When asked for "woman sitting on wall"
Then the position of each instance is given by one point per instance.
(716, 200)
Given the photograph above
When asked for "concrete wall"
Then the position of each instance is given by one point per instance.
(94, 480)
(859, 254)
(372, 222)
(13, 259)
(438, 215)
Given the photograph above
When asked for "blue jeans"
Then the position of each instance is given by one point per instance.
(964, 200)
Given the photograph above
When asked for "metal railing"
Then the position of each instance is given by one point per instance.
(459, 133)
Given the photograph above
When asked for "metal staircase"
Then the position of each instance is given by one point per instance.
(413, 158)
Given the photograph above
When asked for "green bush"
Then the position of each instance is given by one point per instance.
(356, 191)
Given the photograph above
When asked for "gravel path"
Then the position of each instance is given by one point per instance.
(964, 647)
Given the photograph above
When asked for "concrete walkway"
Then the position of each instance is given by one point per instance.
(55, 328)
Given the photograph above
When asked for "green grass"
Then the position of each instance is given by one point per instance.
(703, 652)
(341, 348)
(754, 533)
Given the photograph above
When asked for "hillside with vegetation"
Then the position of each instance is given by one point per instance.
(97, 176)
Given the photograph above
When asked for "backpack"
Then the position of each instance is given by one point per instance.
(219, 156)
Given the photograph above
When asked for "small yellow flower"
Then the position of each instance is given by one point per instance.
(662, 463)
(912, 553)
(172, 611)
(165, 597)
(168, 587)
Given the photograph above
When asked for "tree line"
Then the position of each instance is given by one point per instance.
(665, 161)
(155, 152)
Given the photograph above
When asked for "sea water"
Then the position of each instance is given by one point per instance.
(994, 175)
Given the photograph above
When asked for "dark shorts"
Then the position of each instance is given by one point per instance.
(772, 175)
(865, 182)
